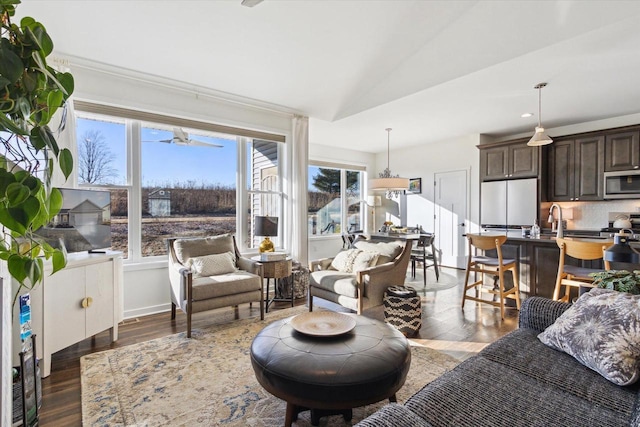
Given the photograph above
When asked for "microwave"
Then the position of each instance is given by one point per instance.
(622, 185)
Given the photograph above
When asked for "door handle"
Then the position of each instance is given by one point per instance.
(462, 224)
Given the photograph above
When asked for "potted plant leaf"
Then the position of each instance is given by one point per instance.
(31, 92)
(618, 280)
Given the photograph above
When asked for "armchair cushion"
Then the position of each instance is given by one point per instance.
(225, 284)
(337, 282)
(353, 260)
(189, 248)
(212, 265)
(387, 251)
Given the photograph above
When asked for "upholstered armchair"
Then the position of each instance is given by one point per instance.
(208, 272)
(357, 278)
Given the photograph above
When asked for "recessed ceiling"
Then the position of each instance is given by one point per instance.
(431, 70)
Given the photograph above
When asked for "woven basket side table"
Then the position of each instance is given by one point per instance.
(403, 309)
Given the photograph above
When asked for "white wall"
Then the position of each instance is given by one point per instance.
(424, 162)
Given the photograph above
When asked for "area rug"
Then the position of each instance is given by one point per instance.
(207, 381)
(447, 280)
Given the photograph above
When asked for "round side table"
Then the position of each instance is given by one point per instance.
(276, 270)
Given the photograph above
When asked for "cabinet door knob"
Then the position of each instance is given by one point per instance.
(84, 303)
(89, 301)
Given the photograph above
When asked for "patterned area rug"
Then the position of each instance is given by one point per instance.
(207, 381)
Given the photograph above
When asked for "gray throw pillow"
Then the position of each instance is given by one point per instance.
(601, 331)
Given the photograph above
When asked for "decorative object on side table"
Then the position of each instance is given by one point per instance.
(266, 226)
(618, 280)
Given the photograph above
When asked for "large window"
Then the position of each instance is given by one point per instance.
(334, 200)
(169, 181)
(102, 161)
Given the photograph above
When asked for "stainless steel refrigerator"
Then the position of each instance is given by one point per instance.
(509, 204)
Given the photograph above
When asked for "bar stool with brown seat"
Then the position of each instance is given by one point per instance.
(495, 266)
(571, 276)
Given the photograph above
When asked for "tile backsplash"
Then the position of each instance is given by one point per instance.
(589, 215)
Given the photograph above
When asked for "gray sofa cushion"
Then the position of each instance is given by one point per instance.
(394, 415)
(481, 392)
(520, 351)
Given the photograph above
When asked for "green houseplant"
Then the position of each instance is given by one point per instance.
(31, 92)
(618, 280)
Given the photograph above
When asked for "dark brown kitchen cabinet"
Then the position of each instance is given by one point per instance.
(576, 169)
(561, 170)
(509, 161)
(622, 151)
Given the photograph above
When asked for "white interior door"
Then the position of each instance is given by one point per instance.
(450, 216)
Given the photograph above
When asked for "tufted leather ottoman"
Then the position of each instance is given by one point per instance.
(325, 374)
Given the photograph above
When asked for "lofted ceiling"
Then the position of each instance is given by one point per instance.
(431, 70)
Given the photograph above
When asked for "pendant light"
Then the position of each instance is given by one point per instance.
(393, 185)
(539, 137)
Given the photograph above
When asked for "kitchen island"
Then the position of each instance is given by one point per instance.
(538, 261)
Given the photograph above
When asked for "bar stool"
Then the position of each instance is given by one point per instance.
(495, 266)
(571, 276)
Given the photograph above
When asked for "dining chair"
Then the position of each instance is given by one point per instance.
(425, 252)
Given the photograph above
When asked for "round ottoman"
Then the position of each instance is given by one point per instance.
(330, 374)
(403, 309)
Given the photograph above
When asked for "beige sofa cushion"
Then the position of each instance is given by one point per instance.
(387, 251)
(189, 248)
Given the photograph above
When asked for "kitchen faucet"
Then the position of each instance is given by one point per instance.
(560, 234)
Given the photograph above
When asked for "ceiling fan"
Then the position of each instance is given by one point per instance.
(180, 137)
(250, 3)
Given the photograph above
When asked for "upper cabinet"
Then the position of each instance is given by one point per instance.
(576, 169)
(514, 160)
(622, 151)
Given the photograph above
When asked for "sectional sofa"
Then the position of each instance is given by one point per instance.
(519, 381)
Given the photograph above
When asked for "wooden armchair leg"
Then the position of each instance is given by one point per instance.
(173, 311)
(189, 321)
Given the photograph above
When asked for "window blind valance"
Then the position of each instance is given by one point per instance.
(90, 107)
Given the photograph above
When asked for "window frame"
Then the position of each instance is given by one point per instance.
(344, 206)
(133, 143)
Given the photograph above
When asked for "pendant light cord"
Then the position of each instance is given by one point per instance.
(388, 138)
(539, 86)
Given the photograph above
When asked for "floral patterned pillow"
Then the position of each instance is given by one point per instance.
(601, 331)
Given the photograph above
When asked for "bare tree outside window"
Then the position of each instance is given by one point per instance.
(95, 159)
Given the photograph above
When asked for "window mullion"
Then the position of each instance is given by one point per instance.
(134, 178)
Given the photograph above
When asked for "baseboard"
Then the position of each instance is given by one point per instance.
(146, 311)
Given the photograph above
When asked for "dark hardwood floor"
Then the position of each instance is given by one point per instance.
(446, 327)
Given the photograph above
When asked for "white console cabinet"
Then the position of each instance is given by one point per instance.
(76, 303)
